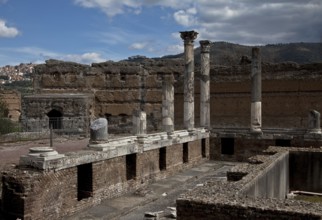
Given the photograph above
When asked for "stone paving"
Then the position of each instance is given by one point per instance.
(156, 197)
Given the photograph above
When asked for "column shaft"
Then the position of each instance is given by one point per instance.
(205, 84)
(139, 123)
(256, 94)
(168, 104)
(189, 37)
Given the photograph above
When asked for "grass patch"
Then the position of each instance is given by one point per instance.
(307, 198)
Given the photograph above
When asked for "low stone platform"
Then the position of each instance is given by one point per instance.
(259, 189)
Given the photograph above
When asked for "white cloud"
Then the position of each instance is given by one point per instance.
(260, 22)
(174, 49)
(6, 31)
(137, 46)
(111, 7)
(265, 21)
(40, 55)
(116, 7)
(86, 58)
(35, 51)
(186, 18)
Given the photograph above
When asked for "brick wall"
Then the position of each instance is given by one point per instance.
(289, 91)
(31, 194)
(195, 211)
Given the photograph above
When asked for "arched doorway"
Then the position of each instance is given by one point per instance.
(55, 119)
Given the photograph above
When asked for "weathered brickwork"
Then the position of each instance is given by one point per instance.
(109, 177)
(33, 195)
(12, 99)
(289, 91)
(29, 193)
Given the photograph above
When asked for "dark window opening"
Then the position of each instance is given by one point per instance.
(283, 142)
(185, 153)
(122, 77)
(123, 118)
(108, 116)
(109, 119)
(55, 119)
(163, 158)
(203, 147)
(130, 166)
(84, 181)
(227, 146)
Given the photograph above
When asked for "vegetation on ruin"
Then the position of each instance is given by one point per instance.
(309, 198)
(6, 125)
(24, 87)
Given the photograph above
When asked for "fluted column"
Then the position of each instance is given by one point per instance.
(188, 38)
(168, 104)
(139, 123)
(205, 83)
(256, 96)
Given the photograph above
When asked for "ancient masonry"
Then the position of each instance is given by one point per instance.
(260, 189)
(12, 99)
(224, 113)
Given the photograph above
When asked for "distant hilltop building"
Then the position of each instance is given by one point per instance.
(20, 72)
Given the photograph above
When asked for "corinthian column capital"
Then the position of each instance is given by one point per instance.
(188, 36)
(205, 46)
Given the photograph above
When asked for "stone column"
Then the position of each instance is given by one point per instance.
(256, 96)
(314, 124)
(188, 38)
(205, 84)
(139, 123)
(168, 104)
(99, 130)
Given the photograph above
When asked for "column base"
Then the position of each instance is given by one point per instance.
(257, 131)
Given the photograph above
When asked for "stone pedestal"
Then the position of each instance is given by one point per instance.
(41, 158)
(205, 84)
(139, 123)
(188, 38)
(168, 104)
(99, 130)
(256, 93)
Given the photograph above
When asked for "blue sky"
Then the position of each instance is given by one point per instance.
(87, 31)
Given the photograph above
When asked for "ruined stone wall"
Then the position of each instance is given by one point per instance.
(228, 199)
(62, 193)
(34, 194)
(118, 87)
(108, 177)
(76, 112)
(13, 100)
(289, 91)
(243, 148)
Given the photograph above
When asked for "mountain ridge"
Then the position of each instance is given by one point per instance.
(225, 53)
